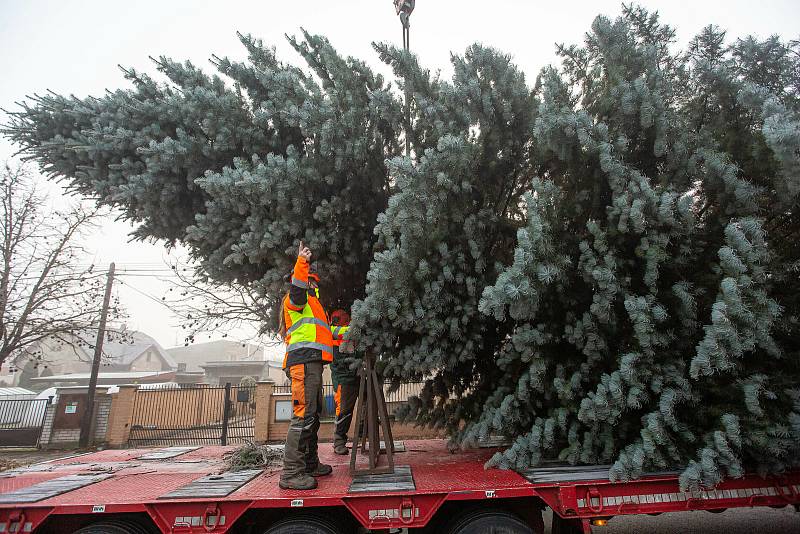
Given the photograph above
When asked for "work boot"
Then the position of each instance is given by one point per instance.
(321, 470)
(340, 449)
(300, 481)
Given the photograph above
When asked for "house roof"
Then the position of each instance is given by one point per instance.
(197, 349)
(5, 392)
(120, 348)
(123, 375)
(234, 363)
(123, 350)
(195, 355)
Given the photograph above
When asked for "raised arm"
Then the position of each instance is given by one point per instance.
(298, 291)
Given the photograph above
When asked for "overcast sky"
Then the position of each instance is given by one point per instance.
(74, 47)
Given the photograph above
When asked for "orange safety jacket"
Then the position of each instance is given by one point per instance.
(308, 332)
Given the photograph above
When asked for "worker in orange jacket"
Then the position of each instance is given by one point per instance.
(309, 346)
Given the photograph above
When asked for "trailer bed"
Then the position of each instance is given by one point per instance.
(191, 489)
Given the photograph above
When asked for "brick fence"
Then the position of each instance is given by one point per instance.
(273, 411)
(61, 426)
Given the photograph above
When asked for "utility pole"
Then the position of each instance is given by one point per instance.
(88, 413)
(404, 9)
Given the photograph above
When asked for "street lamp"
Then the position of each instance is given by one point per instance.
(404, 9)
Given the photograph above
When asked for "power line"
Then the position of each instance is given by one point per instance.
(167, 306)
(148, 295)
(148, 270)
(78, 276)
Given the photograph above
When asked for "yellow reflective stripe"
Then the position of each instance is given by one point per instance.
(309, 345)
(305, 321)
(339, 331)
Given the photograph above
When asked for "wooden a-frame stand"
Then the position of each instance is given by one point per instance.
(371, 415)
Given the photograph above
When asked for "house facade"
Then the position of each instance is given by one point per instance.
(191, 358)
(224, 361)
(122, 352)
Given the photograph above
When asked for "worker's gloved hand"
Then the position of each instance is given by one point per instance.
(304, 252)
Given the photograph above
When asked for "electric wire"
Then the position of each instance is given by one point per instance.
(162, 303)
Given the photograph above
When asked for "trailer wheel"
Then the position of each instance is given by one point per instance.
(488, 522)
(119, 526)
(304, 525)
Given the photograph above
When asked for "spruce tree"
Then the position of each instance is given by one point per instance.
(239, 166)
(600, 266)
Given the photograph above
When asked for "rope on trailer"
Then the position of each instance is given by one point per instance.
(253, 456)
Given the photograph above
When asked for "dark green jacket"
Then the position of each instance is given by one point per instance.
(340, 367)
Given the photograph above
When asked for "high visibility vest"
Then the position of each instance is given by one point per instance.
(338, 334)
(306, 326)
(338, 339)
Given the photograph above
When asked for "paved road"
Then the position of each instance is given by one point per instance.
(737, 521)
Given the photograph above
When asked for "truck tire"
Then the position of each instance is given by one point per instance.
(115, 526)
(304, 525)
(488, 522)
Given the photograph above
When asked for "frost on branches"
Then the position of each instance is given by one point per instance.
(646, 314)
(601, 266)
(238, 166)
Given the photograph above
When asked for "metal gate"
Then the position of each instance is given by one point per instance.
(197, 415)
(21, 421)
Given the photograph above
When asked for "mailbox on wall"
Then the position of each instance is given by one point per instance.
(283, 410)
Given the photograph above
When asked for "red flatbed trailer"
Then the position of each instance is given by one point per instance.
(124, 492)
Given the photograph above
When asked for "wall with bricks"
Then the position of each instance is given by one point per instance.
(120, 416)
(57, 438)
(102, 409)
(47, 425)
(65, 437)
(264, 411)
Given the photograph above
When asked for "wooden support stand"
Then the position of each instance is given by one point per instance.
(371, 416)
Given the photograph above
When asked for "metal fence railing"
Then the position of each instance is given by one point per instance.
(193, 415)
(21, 421)
(402, 393)
(393, 398)
(202, 414)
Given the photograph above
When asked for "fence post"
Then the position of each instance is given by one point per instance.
(264, 390)
(121, 415)
(226, 413)
(47, 424)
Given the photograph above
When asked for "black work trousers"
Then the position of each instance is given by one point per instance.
(345, 396)
(300, 454)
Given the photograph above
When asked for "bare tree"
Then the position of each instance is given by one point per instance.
(44, 293)
(204, 305)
